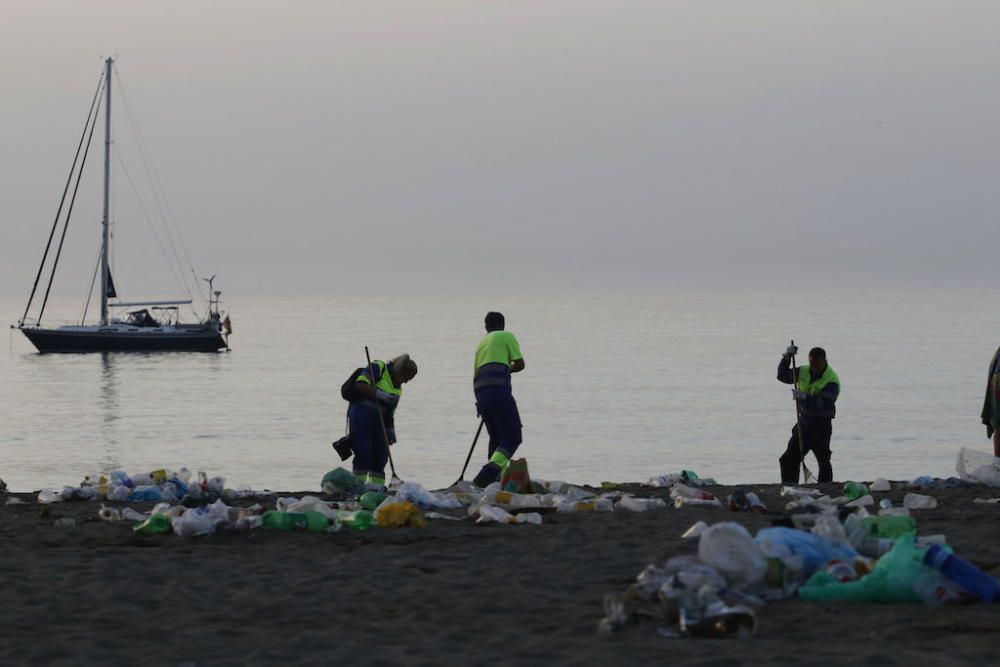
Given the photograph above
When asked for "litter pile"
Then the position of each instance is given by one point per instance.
(819, 548)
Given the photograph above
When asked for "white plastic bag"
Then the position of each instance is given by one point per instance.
(730, 549)
(981, 467)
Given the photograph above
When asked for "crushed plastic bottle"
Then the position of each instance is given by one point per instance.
(963, 573)
(157, 523)
(314, 522)
(864, 501)
(640, 504)
(594, 505)
(916, 501)
(855, 490)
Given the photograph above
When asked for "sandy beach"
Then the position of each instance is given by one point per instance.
(450, 593)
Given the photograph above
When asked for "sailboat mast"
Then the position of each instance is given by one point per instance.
(107, 186)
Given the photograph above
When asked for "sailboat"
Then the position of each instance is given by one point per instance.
(147, 326)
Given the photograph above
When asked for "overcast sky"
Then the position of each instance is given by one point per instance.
(437, 146)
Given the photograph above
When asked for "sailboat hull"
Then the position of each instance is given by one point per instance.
(84, 339)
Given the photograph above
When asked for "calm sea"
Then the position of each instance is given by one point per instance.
(617, 387)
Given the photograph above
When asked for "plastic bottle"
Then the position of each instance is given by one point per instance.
(358, 520)
(891, 527)
(885, 503)
(916, 501)
(855, 490)
(158, 523)
(963, 573)
(682, 490)
(314, 522)
(595, 505)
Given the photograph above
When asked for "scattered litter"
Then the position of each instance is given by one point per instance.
(881, 485)
(864, 501)
(639, 504)
(976, 500)
(915, 501)
(980, 467)
(396, 514)
(740, 501)
(695, 530)
(492, 513)
(64, 522)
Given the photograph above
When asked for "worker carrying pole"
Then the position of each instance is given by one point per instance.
(815, 392)
(497, 356)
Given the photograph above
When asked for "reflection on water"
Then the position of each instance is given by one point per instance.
(109, 412)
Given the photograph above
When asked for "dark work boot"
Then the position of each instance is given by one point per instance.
(489, 474)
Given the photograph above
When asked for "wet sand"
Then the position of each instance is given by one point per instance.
(452, 593)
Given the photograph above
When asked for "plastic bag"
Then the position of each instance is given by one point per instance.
(418, 495)
(894, 579)
(394, 515)
(730, 549)
(981, 467)
(814, 550)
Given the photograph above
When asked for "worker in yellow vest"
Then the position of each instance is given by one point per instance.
(497, 356)
(382, 382)
(816, 390)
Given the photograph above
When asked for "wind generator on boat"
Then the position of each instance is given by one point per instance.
(132, 330)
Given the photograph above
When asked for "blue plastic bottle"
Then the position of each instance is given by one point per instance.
(963, 573)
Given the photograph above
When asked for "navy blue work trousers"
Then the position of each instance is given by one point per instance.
(498, 409)
(370, 450)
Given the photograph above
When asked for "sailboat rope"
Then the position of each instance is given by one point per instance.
(170, 226)
(69, 214)
(69, 179)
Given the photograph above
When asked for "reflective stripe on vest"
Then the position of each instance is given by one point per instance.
(492, 375)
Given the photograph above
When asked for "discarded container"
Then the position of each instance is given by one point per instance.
(855, 490)
(881, 485)
(640, 504)
(694, 531)
(358, 519)
(916, 501)
(885, 504)
(720, 621)
(157, 523)
(49, 496)
(864, 501)
(64, 522)
(894, 511)
(109, 514)
(314, 522)
(963, 573)
(892, 527)
(595, 505)
(681, 501)
(130, 514)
